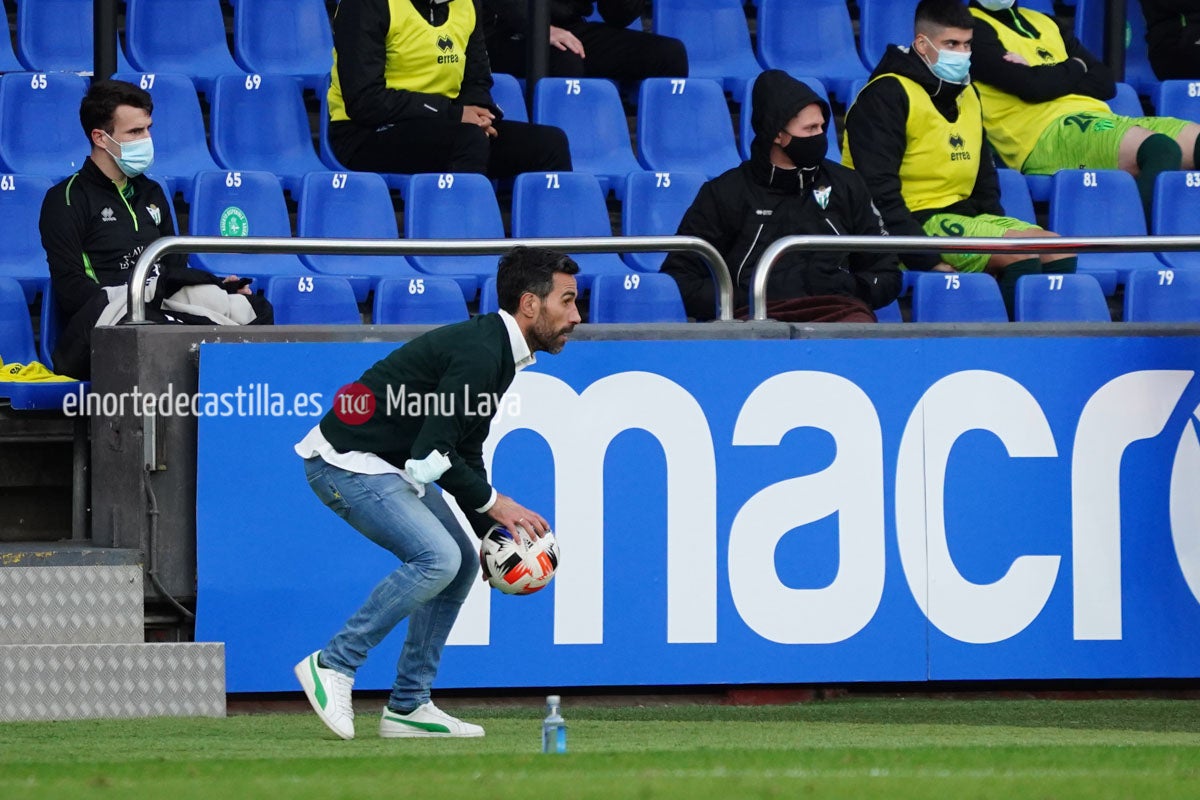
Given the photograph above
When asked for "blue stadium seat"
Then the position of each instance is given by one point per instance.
(1162, 295)
(654, 204)
(184, 36)
(395, 180)
(957, 297)
(8, 56)
(652, 297)
(16, 347)
(1089, 25)
(883, 22)
(832, 56)
(1178, 98)
(49, 327)
(855, 88)
(565, 204)
(57, 36)
(259, 122)
(41, 134)
(1044, 6)
(1014, 195)
(180, 143)
(708, 145)
(453, 206)
(418, 301)
(313, 300)
(1060, 298)
(717, 38)
(241, 204)
(1099, 203)
(509, 96)
(489, 301)
(590, 112)
(745, 115)
(889, 313)
(1126, 102)
(1138, 71)
(350, 205)
(1177, 213)
(284, 37)
(22, 257)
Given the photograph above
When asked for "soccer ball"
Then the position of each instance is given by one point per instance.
(518, 566)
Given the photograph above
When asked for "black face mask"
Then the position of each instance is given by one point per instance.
(808, 151)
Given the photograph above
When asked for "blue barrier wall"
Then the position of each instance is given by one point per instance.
(761, 511)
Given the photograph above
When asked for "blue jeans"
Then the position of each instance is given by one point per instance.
(438, 559)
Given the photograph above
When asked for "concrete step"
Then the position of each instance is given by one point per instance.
(70, 595)
(111, 681)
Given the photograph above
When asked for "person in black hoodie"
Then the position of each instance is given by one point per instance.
(915, 133)
(1173, 37)
(580, 48)
(787, 188)
(410, 92)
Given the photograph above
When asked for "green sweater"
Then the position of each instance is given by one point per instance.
(444, 388)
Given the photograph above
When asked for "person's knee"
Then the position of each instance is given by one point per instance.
(552, 143)
(671, 59)
(472, 147)
(1159, 153)
(439, 564)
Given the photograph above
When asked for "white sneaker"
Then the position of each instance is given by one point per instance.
(426, 720)
(329, 693)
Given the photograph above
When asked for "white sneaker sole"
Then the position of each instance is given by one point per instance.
(304, 674)
(401, 730)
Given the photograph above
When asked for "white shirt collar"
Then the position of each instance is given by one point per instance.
(522, 357)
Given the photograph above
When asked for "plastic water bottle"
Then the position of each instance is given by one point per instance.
(554, 729)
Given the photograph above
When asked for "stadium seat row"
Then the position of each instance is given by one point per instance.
(293, 37)
(1084, 203)
(1151, 295)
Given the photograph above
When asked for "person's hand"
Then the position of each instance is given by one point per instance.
(513, 515)
(564, 40)
(1016, 58)
(478, 115)
(234, 279)
(942, 266)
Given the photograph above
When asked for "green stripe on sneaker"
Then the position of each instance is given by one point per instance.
(432, 727)
(318, 687)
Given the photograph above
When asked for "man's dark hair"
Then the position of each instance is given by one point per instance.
(101, 101)
(942, 14)
(529, 269)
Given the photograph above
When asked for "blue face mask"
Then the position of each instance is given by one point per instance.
(136, 156)
(996, 5)
(951, 66)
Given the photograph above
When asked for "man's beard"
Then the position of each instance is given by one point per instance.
(546, 338)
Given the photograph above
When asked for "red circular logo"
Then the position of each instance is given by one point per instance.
(354, 404)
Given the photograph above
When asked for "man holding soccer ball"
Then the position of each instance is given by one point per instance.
(372, 460)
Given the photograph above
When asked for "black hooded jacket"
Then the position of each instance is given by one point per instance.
(876, 134)
(744, 210)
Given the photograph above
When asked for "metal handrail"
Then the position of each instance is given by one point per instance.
(588, 244)
(966, 244)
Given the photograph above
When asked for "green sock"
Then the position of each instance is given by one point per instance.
(1008, 280)
(1061, 266)
(1159, 153)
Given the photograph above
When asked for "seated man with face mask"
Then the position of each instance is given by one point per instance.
(1043, 99)
(915, 134)
(96, 223)
(787, 188)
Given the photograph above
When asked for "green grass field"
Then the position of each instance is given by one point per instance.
(855, 747)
